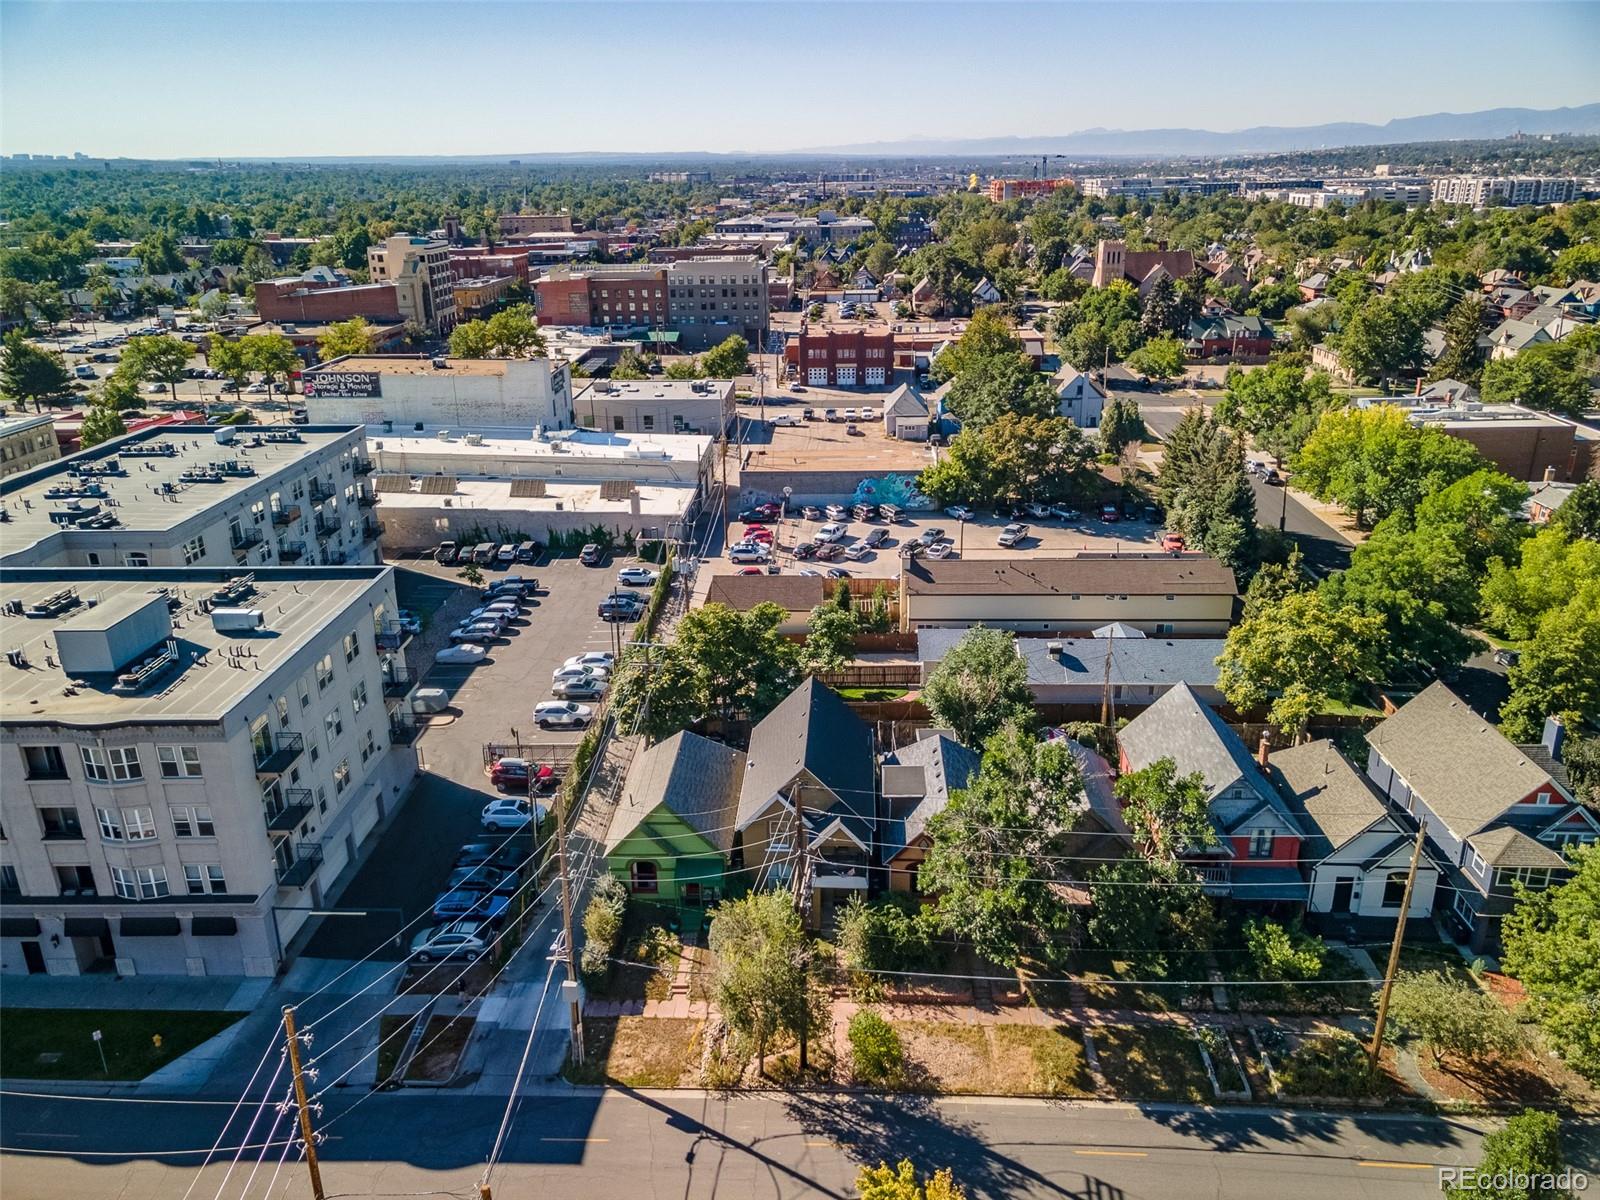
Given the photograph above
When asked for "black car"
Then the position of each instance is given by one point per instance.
(592, 555)
(625, 606)
(806, 550)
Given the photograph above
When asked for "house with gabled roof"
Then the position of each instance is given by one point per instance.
(1077, 397)
(917, 781)
(1257, 845)
(1496, 814)
(1357, 851)
(808, 800)
(671, 836)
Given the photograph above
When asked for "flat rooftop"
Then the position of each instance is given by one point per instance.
(1499, 415)
(406, 364)
(214, 670)
(662, 389)
(149, 478)
(825, 446)
(656, 499)
(1135, 661)
(491, 446)
(1081, 574)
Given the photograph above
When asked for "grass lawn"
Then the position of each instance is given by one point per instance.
(393, 1034)
(1342, 708)
(872, 693)
(1055, 1055)
(53, 1043)
(1145, 997)
(944, 1056)
(638, 1052)
(1432, 956)
(1153, 1063)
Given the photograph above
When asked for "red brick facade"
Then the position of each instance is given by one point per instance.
(843, 357)
(479, 262)
(299, 300)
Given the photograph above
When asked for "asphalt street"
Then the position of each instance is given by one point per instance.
(695, 1144)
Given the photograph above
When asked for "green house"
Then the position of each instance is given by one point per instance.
(672, 832)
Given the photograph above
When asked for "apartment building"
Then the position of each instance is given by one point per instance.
(1480, 191)
(520, 224)
(197, 495)
(192, 756)
(322, 294)
(702, 300)
(1001, 190)
(843, 356)
(26, 441)
(424, 281)
(826, 228)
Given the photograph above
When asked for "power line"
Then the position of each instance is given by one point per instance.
(238, 1104)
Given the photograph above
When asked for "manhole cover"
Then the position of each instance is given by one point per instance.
(50, 1057)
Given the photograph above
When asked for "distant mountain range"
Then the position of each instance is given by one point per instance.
(1259, 139)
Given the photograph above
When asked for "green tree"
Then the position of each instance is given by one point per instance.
(1160, 359)
(228, 358)
(1279, 403)
(29, 375)
(683, 368)
(1451, 1016)
(1142, 910)
(727, 359)
(1551, 571)
(979, 685)
(1553, 376)
(876, 1055)
(120, 391)
(1579, 514)
(991, 387)
(1552, 945)
(998, 845)
(1299, 655)
(342, 338)
(1528, 1148)
(885, 935)
(1463, 356)
(830, 638)
(101, 422)
(1480, 515)
(1012, 458)
(1273, 582)
(1205, 491)
(987, 335)
(271, 355)
(1160, 314)
(160, 359)
(514, 333)
(901, 1183)
(1280, 952)
(1577, 263)
(1380, 339)
(158, 255)
(1121, 425)
(471, 339)
(763, 981)
(630, 365)
(1558, 673)
(1169, 814)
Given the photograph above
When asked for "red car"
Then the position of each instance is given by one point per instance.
(756, 533)
(750, 571)
(513, 774)
(1172, 543)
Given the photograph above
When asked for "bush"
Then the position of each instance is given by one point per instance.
(885, 935)
(1280, 952)
(876, 1055)
(1335, 1065)
(602, 924)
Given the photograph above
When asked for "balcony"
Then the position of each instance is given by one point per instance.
(325, 528)
(287, 515)
(291, 551)
(1216, 881)
(366, 499)
(278, 752)
(361, 466)
(321, 490)
(402, 729)
(243, 540)
(390, 636)
(307, 858)
(398, 682)
(371, 530)
(284, 817)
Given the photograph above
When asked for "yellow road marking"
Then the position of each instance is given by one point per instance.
(819, 1143)
(1113, 1153)
(1394, 1166)
(574, 1139)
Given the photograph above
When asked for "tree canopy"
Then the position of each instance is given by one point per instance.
(979, 685)
(1013, 458)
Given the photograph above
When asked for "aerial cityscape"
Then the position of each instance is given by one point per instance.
(901, 601)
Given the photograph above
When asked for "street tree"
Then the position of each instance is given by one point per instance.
(355, 336)
(1452, 1017)
(1558, 672)
(29, 375)
(901, 1182)
(979, 685)
(1169, 814)
(728, 359)
(1161, 359)
(1521, 1161)
(1381, 338)
(1551, 944)
(630, 364)
(270, 355)
(101, 422)
(1480, 515)
(160, 359)
(471, 339)
(990, 387)
(1550, 571)
(683, 368)
(1205, 491)
(1278, 403)
(763, 980)
(998, 844)
(228, 359)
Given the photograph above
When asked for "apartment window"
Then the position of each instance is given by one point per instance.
(44, 762)
(193, 820)
(61, 824)
(10, 885)
(1565, 837)
(1533, 878)
(324, 671)
(369, 746)
(341, 776)
(139, 823)
(305, 696)
(358, 696)
(201, 878)
(194, 550)
(139, 883)
(1261, 843)
(1475, 862)
(283, 712)
(179, 762)
(114, 764)
(1394, 889)
(76, 881)
(352, 647)
(334, 724)
(322, 799)
(136, 559)
(649, 421)
(110, 824)
(616, 423)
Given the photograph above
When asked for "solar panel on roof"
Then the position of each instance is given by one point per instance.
(617, 489)
(391, 483)
(527, 487)
(438, 485)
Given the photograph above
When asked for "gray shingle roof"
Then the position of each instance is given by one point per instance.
(1507, 847)
(691, 776)
(1332, 800)
(1136, 662)
(1461, 766)
(812, 730)
(945, 766)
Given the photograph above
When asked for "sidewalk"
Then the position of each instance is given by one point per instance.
(211, 993)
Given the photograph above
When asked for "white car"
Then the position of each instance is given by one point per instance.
(960, 512)
(459, 939)
(836, 512)
(832, 532)
(747, 554)
(636, 576)
(155, 389)
(466, 653)
(592, 658)
(931, 535)
(1012, 534)
(503, 611)
(857, 551)
(563, 713)
(589, 672)
(1039, 512)
(507, 815)
(785, 419)
(940, 550)
(476, 631)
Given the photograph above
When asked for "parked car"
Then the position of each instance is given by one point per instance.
(1172, 543)
(809, 571)
(911, 548)
(1108, 512)
(506, 555)
(527, 552)
(505, 854)
(636, 576)
(931, 535)
(960, 512)
(857, 551)
(562, 714)
(747, 552)
(476, 632)
(876, 537)
(481, 906)
(865, 512)
(564, 673)
(465, 654)
(811, 512)
(626, 606)
(483, 879)
(797, 387)
(940, 550)
(759, 534)
(1507, 658)
(516, 586)
(505, 611)
(580, 689)
(457, 939)
(830, 552)
(517, 774)
(508, 815)
(1063, 512)
(836, 512)
(408, 621)
(1012, 534)
(1271, 476)
(592, 658)
(1039, 512)
(831, 532)
(805, 550)
(591, 555)
(837, 573)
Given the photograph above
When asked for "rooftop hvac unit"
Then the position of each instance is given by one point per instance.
(225, 434)
(443, 435)
(1055, 649)
(441, 364)
(474, 439)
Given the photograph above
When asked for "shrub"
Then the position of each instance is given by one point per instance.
(884, 935)
(1335, 1065)
(876, 1055)
(1279, 952)
(602, 924)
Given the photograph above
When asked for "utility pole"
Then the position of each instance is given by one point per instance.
(306, 1132)
(1394, 953)
(576, 1009)
(1105, 686)
(802, 886)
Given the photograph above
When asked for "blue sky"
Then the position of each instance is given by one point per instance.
(233, 77)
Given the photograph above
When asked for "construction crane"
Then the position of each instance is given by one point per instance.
(1044, 164)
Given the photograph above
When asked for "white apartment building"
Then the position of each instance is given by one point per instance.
(191, 757)
(26, 441)
(424, 280)
(1480, 191)
(390, 392)
(194, 495)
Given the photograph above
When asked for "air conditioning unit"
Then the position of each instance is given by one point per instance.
(1055, 649)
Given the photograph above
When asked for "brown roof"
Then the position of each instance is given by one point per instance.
(1136, 264)
(405, 364)
(1115, 574)
(797, 593)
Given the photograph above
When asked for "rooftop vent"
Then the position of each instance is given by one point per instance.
(109, 636)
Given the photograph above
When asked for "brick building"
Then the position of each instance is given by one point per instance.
(319, 295)
(481, 262)
(844, 356)
(517, 224)
(1016, 189)
(703, 300)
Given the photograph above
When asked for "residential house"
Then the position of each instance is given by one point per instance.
(1512, 303)
(916, 784)
(1548, 497)
(1314, 286)
(1500, 278)
(1585, 298)
(924, 297)
(1079, 400)
(905, 415)
(1511, 337)
(1495, 814)
(1228, 337)
(1254, 857)
(1357, 851)
(1226, 273)
(808, 801)
(1446, 391)
(984, 292)
(671, 835)
(797, 595)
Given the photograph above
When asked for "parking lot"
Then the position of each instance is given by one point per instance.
(491, 701)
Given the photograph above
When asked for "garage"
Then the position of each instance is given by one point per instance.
(847, 376)
(875, 376)
(817, 376)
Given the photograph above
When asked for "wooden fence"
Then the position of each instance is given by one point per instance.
(873, 675)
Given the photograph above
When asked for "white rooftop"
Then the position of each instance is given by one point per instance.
(483, 447)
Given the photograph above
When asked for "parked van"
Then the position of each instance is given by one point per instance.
(528, 551)
(445, 553)
(483, 553)
(889, 512)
